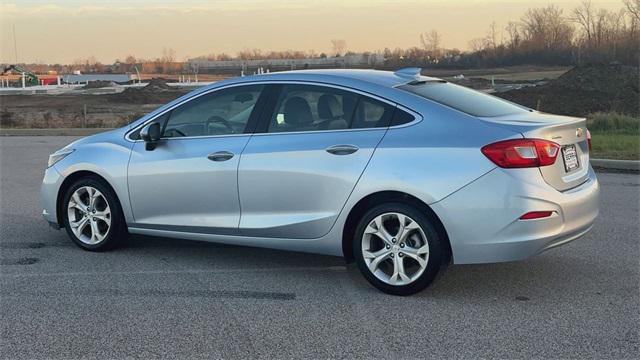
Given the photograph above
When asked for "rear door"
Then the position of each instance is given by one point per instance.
(296, 175)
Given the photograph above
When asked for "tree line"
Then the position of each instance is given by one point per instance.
(542, 36)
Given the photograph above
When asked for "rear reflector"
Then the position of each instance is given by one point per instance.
(589, 139)
(522, 153)
(536, 215)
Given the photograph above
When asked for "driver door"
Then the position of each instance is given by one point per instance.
(189, 181)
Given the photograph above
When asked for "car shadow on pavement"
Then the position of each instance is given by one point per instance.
(528, 280)
(201, 253)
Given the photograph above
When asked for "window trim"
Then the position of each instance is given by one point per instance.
(260, 117)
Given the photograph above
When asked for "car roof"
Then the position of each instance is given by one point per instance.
(375, 77)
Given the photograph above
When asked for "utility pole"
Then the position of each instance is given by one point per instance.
(15, 43)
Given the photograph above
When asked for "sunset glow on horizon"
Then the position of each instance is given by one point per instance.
(65, 31)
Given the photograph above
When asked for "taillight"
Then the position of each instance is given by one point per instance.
(522, 153)
(589, 139)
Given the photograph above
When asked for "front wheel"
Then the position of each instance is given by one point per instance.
(92, 215)
(398, 249)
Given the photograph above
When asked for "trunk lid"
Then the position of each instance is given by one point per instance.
(572, 164)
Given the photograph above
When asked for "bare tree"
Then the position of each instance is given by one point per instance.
(546, 28)
(168, 55)
(130, 59)
(250, 54)
(478, 44)
(583, 15)
(492, 36)
(633, 7)
(432, 42)
(513, 29)
(164, 63)
(339, 46)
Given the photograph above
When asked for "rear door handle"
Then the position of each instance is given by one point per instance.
(342, 149)
(220, 156)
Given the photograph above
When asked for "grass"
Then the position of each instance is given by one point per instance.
(614, 136)
(615, 146)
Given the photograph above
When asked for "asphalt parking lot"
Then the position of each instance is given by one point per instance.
(180, 299)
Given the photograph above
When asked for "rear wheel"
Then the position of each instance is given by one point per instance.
(397, 249)
(92, 215)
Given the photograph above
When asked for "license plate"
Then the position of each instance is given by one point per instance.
(570, 158)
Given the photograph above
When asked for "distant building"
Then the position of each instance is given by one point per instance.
(81, 79)
(250, 66)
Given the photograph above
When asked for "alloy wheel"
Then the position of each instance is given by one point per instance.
(89, 215)
(395, 248)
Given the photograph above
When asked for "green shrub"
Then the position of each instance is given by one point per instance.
(613, 123)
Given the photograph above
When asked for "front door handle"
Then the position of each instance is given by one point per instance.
(220, 156)
(342, 149)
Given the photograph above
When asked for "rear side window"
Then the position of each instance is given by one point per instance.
(401, 117)
(312, 108)
(464, 99)
(316, 108)
(371, 113)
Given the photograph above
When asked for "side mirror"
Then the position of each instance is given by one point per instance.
(150, 134)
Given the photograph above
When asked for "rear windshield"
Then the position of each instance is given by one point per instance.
(464, 99)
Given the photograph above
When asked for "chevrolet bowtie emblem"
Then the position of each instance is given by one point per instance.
(579, 132)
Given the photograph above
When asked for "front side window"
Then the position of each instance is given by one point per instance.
(464, 99)
(314, 108)
(222, 112)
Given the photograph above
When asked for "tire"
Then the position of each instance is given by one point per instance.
(98, 228)
(385, 251)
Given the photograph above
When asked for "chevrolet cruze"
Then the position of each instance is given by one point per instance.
(398, 172)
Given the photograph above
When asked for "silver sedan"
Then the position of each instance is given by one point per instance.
(398, 172)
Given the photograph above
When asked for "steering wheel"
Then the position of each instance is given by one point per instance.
(177, 132)
(218, 119)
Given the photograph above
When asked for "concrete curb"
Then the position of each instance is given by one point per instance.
(622, 165)
(52, 132)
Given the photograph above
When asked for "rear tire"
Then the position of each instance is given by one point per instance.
(92, 215)
(398, 249)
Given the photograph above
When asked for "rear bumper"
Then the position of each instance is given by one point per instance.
(482, 219)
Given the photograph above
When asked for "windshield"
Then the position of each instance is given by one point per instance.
(464, 99)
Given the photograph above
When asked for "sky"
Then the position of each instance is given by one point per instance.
(66, 31)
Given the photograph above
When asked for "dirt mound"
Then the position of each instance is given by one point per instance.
(156, 84)
(480, 83)
(584, 90)
(96, 84)
(472, 82)
(155, 92)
